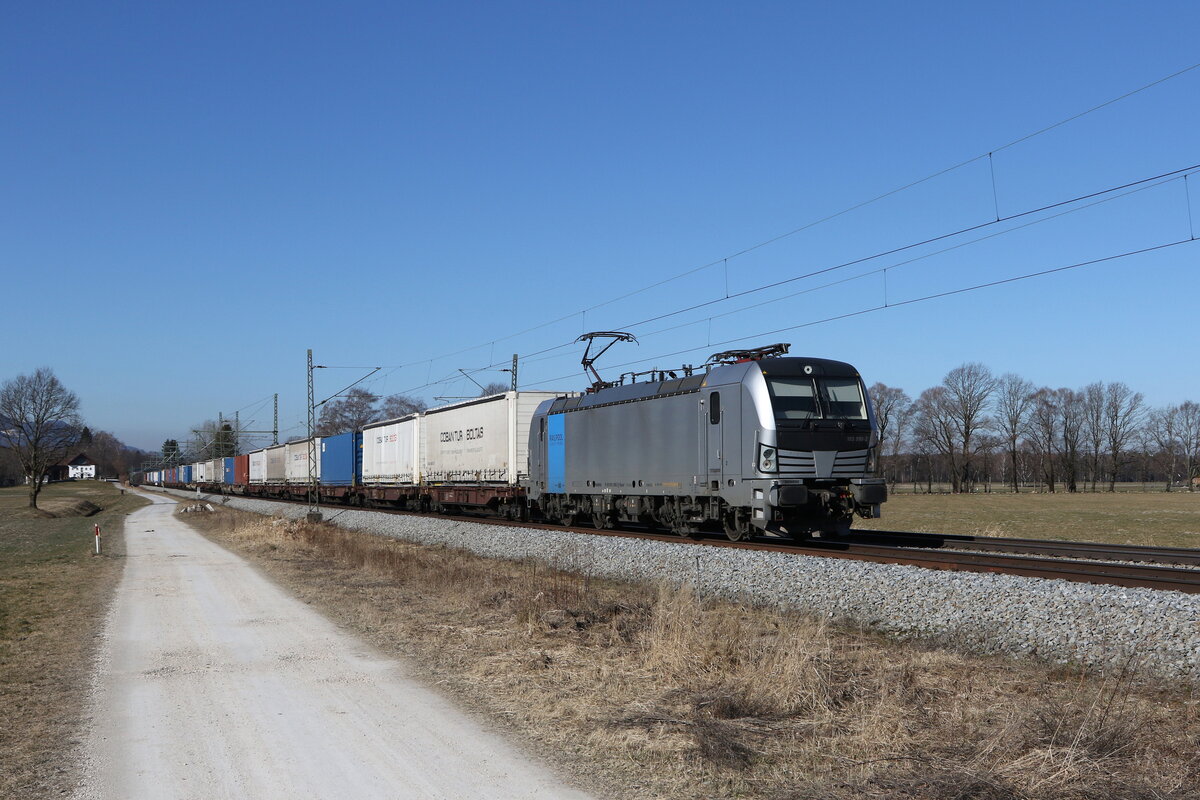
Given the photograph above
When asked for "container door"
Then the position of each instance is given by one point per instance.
(715, 445)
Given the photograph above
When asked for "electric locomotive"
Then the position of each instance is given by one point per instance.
(758, 443)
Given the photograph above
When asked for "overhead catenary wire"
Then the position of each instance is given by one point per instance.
(723, 260)
(896, 265)
(1104, 195)
(894, 305)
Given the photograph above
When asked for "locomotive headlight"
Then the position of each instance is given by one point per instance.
(767, 461)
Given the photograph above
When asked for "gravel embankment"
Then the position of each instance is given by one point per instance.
(1104, 627)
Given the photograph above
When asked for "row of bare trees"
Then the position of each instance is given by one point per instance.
(976, 427)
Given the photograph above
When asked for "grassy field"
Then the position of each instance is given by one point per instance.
(651, 692)
(53, 596)
(1153, 518)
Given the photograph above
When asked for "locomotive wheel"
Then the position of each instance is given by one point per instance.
(563, 515)
(601, 521)
(736, 526)
(677, 522)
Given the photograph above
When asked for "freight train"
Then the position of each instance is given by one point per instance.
(752, 443)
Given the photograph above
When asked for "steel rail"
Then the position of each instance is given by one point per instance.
(1102, 551)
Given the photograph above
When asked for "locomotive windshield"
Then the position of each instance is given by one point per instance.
(799, 398)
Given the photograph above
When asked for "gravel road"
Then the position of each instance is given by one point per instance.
(214, 683)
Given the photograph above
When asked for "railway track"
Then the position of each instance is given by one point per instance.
(1095, 551)
(1099, 570)
(1083, 562)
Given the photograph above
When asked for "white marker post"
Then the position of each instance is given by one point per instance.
(97, 538)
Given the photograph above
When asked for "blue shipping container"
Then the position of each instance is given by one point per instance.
(339, 467)
(187, 474)
(228, 476)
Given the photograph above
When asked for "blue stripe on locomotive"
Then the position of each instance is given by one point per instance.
(556, 453)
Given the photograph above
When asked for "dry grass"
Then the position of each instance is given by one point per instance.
(653, 692)
(53, 596)
(1169, 519)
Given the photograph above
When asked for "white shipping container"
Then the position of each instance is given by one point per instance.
(200, 472)
(481, 440)
(216, 470)
(391, 452)
(297, 461)
(258, 466)
(276, 463)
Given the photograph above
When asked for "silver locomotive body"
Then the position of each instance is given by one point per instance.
(782, 445)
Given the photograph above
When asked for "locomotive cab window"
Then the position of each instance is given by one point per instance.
(842, 398)
(714, 408)
(801, 398)
(793, 398)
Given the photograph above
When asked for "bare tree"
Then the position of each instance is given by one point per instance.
(989, 444)
(1043, 434)
(494, 388)
(1122, 416)
(891, 406)
(348, 412)
(1070, 409)
(1162, 428)
(1188, 428)
(399, 405)
(1095, 427)
(40, 423)
(1148, 453)
(1014, 399)
(935, 431)
(968, 389)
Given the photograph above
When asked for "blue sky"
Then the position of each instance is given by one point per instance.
(195, 194)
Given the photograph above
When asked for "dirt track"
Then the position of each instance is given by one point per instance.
(214, 683)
